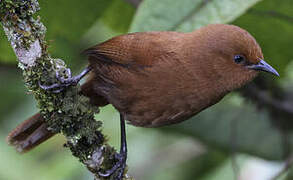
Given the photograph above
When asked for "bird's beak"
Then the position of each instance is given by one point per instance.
(263, 66)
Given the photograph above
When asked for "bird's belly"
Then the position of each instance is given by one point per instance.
(155, 110)
(154, 119)
(151, 117)
(155, 96)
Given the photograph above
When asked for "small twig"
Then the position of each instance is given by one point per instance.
(273, 14)
(274, 98)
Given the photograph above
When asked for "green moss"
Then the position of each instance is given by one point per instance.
(16, 15)
(67, 111)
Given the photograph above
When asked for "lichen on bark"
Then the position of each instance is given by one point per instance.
(67, 112)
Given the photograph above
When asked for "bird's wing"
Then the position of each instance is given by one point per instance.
(135, 49)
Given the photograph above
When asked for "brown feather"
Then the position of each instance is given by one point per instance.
(29, 134)
(160, 78)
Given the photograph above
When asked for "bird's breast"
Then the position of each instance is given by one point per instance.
(157, 96)
(160, 82)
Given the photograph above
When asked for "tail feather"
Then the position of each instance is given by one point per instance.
(29, 134)
(34, 130)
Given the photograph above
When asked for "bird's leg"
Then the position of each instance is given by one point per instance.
(122, 156)
(58, 87)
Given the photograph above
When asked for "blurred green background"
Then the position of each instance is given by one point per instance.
(235, 139)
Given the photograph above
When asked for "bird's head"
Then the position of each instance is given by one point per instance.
(237, 57)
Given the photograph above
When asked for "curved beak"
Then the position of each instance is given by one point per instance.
(263, 66)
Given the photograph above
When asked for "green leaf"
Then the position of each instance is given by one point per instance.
(198, 166)
(119, 22)
(230, 126)
(11, 91)
(110, 24)
(6, 53)
(186, 15)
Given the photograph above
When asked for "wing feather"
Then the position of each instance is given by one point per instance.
(134, 49)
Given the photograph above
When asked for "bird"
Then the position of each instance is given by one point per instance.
(158, 78)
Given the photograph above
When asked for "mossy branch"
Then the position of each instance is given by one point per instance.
(66, 112)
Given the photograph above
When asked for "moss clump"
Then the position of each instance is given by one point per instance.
(21, 8)
(17, 15)
(68, 111)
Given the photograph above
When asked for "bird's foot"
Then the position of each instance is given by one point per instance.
(119, 167)
(64, 82)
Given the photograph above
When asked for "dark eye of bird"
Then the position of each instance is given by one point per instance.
(239, 59)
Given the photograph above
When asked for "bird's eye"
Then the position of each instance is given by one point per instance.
(239, 59)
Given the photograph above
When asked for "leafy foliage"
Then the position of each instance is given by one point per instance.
(186, 15)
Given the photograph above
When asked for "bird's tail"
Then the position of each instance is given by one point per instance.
(29, 134)
(34, 130)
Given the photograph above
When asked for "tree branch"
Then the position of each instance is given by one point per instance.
(273, 14)
(266, 98)
(267, 94)
(67, 112)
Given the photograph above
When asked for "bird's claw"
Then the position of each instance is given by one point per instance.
(64, 82)
(58, 87)
(119, 166)
(62, 79)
